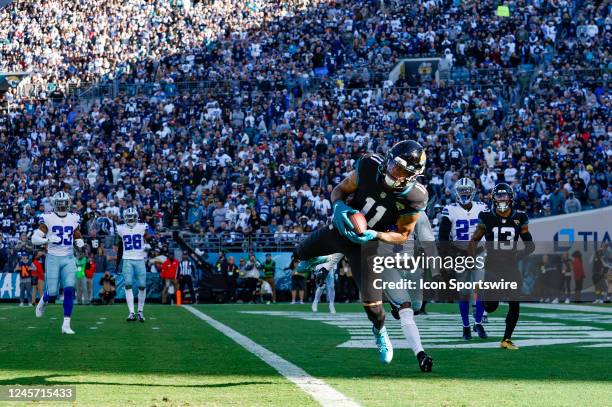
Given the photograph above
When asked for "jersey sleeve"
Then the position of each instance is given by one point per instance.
(416, 200)
(482, 218)
(367, 165)
(446, 212)
(523, 218)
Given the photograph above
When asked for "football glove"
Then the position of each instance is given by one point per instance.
(340, 217)
(363, 238)
(79, 243)
(54, 239)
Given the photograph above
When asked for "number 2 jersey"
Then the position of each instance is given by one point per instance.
(64, 228)
(381, 206)
(133, 241)
(463, 222)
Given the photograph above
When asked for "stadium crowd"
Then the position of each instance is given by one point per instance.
(295, 100)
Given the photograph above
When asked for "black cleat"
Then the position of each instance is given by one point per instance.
(479, 329)
(321, 276)
(467, 333)
(131, 317)
(141, 317)
(395, 311)
(425, 362)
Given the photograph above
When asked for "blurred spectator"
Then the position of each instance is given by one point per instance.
(579, 275)
(38, 277)
(269, 271)
(231, 277)
(90, 269)
(108, 289)
(572, 204)
(25, 268)
(168, 274)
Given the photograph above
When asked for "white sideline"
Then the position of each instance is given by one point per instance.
(323, 393)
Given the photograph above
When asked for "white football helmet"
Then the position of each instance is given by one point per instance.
(465, 190)
(130, 216)
(61, 203)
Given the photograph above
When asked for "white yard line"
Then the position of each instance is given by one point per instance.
(569, 307)
(323, 393)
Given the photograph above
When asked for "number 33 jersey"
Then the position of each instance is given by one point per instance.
(381, 206)
(133, 241)
(62, 227)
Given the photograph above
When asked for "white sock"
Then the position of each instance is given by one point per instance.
(66, 320)
(318, 293)
(142, 295)
(129, 299)
(331, 293)
(411, 332)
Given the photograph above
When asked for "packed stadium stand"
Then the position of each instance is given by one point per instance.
(234, 120)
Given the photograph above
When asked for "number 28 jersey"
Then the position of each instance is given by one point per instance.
(381, 206)
(62, 227)
(133, 240)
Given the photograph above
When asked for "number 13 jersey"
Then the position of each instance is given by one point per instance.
(380, 205)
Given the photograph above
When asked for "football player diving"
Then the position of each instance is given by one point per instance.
(503, 226)
(385, 190)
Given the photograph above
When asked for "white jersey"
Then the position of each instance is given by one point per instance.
(463, 222)
(133, 241)
(62, 227)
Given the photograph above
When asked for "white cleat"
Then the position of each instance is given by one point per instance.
(67, 330)
(40, 308)
(332, 309)
(314, 307)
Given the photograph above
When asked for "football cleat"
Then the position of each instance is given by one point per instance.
(141, 317)
(425, 362)
(66, 328)
(383, 343)
(131, 317)
(479, 329)
(395, 311)
(507, 344)
(320, 276)
(40, 308)
(314, 307)
(332, 309)
(467, 333)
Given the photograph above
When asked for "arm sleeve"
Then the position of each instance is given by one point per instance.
(445, 229)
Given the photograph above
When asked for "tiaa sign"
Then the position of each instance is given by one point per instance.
(585, 230)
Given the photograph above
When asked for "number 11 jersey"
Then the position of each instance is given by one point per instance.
(380, 205)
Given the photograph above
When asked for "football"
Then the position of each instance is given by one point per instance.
(360, 224)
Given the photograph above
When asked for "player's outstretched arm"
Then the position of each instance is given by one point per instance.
(341, 209)
(405, 226)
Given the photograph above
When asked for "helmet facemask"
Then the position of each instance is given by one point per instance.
(398, 176)
(60, 206)
(131, 219)
(465, 194)
(503, 200)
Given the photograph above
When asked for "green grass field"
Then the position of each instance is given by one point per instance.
(176, 359)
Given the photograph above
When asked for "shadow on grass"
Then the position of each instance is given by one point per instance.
(48, 380)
